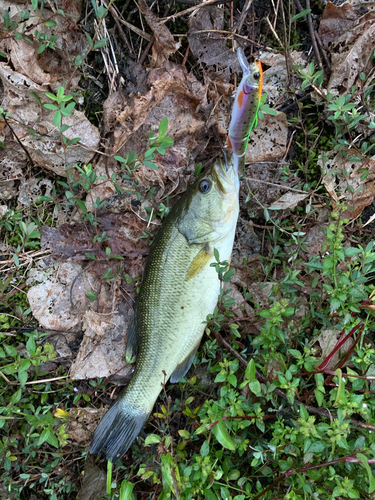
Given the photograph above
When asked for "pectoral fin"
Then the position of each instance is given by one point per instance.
(182, 368)
(200, 261)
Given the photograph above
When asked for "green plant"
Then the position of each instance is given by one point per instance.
(157, 144)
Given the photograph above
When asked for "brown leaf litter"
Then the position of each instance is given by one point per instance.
(209, 47)
(164, 43)
(59, 302)
(350, 37)
(350, 181)
(262, 186)
(269, 140)
(28, 77)
(123, 230)
(174, 94)
(327, 341)
(102, 352)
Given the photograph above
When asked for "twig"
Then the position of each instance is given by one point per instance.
(121, 31)
(74, 282)
(228, 33)
(146, 51)
(3, 115)
(139, 32)
(312, 36)
(276, 185)
(286, 45)
(274, 32)
(46, 380)
(192, 9)
(325, 55)
(244, 13)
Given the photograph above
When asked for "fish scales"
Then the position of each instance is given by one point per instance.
(178, 291)
(179, 287)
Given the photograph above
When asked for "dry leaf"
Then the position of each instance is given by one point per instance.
(348, 181)
(208, 47)
(102, 352)
(351, 40)
(327, 341)
(73, 241)
(289, 200)
(82, 424)
(176, 95)
(94, 484)
(11, 163)
(51, 66)
(30, 189)
(276, 76)
(260, 194)
(164, 44)
(337, 20)
(269, 140)
(34, 125)
(50, 300)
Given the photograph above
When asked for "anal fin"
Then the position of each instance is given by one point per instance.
(183, 367)
(131, 335)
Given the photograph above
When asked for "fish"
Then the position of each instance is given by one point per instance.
(245, 109)
(178, 291)
(180, 288)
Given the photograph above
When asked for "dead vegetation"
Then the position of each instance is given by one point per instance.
(83, 190)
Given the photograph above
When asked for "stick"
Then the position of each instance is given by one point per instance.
(276, 185)
(192, 9)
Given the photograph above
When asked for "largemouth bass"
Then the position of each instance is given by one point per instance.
(179, 290)
(179, 287)
(245, 109)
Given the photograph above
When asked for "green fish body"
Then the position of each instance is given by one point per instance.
(179, 290)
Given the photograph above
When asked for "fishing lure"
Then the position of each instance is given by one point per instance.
(245, 109)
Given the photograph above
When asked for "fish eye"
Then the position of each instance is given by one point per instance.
(256, 76)
(204, 186)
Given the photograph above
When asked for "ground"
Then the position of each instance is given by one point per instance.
(108, 112)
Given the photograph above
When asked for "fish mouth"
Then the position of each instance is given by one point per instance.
(222, 176)
(248, 88)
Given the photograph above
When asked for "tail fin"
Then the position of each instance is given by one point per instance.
(117, 430)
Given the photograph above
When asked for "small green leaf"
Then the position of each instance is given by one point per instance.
(250, 371)
(364, 461)
(51, 23)
(126, 490)
(16, 260)
(11, 351)
(31, 345)
(150, 164)
(101, 43)
(82, 206)
(184, 433)
(317, 447)
(163, 127)
(222, 435)
(152, 439)
(57, 118)
(91, 296)
(78, 60)
(205, 449)
(303, 13)
(22, 378)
